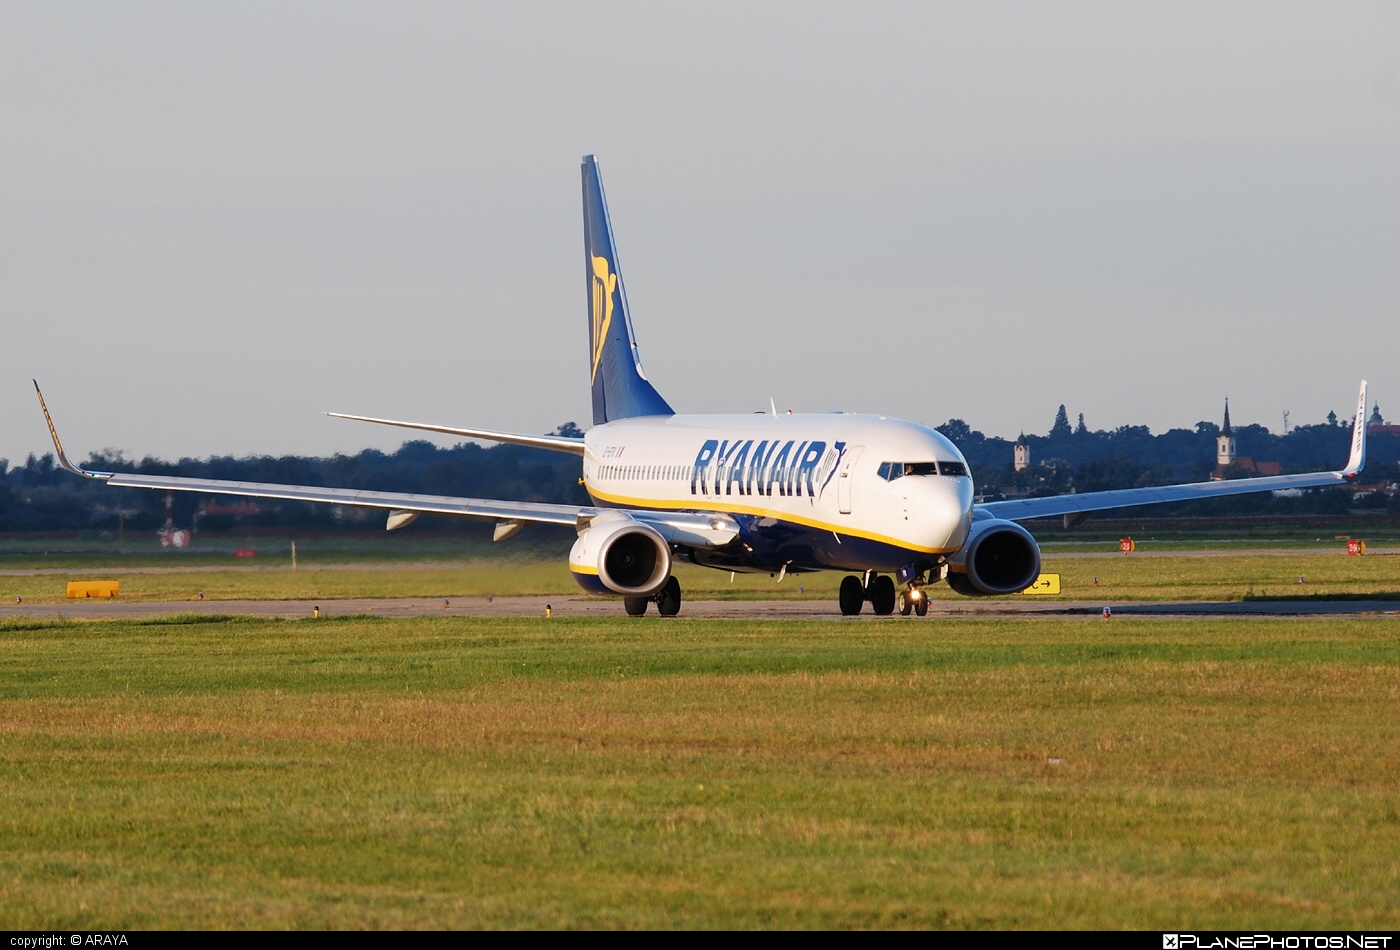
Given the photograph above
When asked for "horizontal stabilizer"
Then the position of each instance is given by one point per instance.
(555, 443)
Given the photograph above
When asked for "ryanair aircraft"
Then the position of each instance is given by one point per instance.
(888, 501)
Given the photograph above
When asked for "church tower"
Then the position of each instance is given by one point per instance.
(1023, 454)
(1225, 451)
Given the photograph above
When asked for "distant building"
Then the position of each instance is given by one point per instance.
(1378, 426)
(1225, 448)
(1227, 455)
(1023, 454)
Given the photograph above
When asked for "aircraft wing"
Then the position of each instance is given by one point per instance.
(1023, 509)
(479, 508)
(692, 529)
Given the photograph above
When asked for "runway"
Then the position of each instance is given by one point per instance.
(581, 606)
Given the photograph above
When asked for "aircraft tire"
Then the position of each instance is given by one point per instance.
(882, 595)
(904, 604)
(636, 606)
(668, 602)
(852, 596)
(921, 606)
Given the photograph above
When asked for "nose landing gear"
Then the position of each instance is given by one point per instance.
(913, 598)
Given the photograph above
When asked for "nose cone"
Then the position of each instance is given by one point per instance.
(941, 510)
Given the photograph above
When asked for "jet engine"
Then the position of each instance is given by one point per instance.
(999, 557)
(621, 556)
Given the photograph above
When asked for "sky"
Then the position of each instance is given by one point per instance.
(218, 221)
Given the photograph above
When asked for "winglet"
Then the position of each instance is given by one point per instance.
(1358, 437)
(58, 446)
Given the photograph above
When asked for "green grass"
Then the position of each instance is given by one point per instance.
(1226, 577)
(467, 578)
(457, 772)
(143, 549)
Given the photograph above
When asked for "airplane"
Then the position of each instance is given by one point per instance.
(888, 501)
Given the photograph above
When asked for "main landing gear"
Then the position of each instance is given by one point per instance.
(880, 593)
(667, 600)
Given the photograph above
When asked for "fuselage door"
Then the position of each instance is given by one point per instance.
(843, 479)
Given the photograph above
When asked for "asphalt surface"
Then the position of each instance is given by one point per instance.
(580, 606)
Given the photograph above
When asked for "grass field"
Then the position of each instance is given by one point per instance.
(1224, 576)
(459, 772)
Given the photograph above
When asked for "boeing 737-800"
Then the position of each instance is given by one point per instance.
(888, 501)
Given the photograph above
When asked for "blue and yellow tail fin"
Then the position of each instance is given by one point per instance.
(620, 388)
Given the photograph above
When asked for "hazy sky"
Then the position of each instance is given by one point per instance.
(219, 220)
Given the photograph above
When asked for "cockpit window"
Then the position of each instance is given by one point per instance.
(889, 471)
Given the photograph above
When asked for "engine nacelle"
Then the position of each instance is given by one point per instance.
(999, 557)
(621, 556)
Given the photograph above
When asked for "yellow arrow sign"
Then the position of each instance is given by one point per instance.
(1044, 584)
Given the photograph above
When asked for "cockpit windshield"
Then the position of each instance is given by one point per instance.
(889, 471)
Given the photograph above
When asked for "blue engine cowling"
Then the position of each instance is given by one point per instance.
(999, 557)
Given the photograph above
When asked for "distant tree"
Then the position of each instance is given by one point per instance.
(1331, 418)
(1081, 429)
(1061, 427)
(959, 433)
(569, 430)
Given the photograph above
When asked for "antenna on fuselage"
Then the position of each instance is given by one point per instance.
(774, 403)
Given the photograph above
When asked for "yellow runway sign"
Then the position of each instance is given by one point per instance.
(93, 588)
(1044, 584)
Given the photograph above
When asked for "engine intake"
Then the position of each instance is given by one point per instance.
(999, 557)
(624, 556)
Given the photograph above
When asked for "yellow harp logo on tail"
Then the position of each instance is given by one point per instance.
(604, 283)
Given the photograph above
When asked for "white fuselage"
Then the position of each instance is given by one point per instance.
(823, 472)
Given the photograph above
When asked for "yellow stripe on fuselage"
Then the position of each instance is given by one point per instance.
(666, 505)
